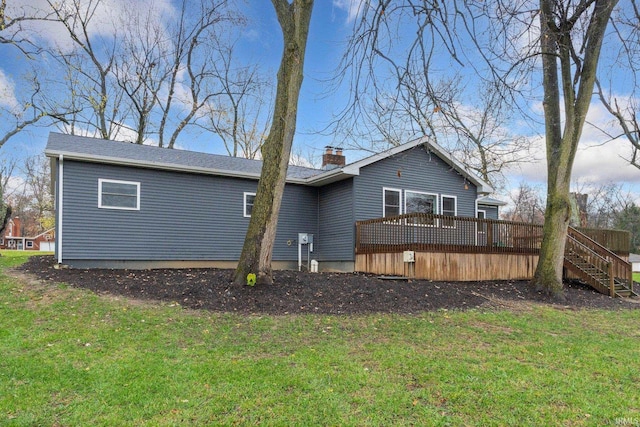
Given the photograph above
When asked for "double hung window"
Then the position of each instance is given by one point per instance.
(391, 202)
(249, 198)
(449, 208)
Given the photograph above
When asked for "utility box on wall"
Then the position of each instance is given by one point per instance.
(305, 239)
(409, 256)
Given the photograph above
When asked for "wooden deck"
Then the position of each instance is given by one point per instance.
(470, 249)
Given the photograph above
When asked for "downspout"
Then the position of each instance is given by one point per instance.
(476, 215)
(60, 188)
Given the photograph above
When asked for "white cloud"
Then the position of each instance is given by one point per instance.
(352, 7)
(7, 93)
(105, 20)
(598, 160)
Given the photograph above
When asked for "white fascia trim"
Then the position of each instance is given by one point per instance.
(490, 201)
(353, 169)
(331, 174)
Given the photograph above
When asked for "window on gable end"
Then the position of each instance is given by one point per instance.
(419, 202)
(449, 205)
(449, 208)
(391, 202)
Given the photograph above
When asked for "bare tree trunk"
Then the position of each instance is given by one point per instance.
(560, 68)
(294, 19)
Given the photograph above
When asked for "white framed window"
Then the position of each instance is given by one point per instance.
(421, 202)
(249, 199)
(482, 228)
(448, 207)
(29, 244)
(416, 201)
(114, 194)
(391, 205)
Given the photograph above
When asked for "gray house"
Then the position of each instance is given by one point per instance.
(125, 205)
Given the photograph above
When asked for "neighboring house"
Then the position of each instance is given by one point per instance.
(125, 205)
(13, 238)
(634, 259)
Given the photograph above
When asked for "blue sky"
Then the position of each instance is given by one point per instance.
(261, 42)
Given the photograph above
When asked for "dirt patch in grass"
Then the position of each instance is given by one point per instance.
(301, 292)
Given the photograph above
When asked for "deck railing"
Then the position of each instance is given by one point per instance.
(439, 233)
(617, 241)
(426, 232)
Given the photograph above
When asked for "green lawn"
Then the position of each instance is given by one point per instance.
(71, 358)
(636, 277)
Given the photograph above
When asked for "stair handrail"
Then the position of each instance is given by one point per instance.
(618, 262)
(589, 249)
(603, 264)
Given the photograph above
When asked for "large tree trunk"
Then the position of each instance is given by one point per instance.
(294, 19)
(559, 68)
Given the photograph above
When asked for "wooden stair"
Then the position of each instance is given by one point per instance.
(597, 266)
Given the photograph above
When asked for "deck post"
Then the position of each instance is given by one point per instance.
(612, 288)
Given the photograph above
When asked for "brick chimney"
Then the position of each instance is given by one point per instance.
(13, 227)
(331, 160)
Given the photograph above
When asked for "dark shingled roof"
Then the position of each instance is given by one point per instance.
(143, 155)
(128, 154)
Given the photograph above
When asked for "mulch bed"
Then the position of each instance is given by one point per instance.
(322, 293)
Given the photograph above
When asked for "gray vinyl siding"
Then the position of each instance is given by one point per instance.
(412, 170)
(182, 216)
(492, 211)
(336, 241)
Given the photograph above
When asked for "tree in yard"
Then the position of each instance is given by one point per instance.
(527, 205)
(625, 113)
(629, 219)
(570, 43)
(623, 104)
(39, 208)
(6, 172)
(138, 74)
(5, 210)
(522, 48)
(119, 73)
(25, 104)
(196, 47)
(238, 115)
(89, 65)
(294, 19)
(478, 135)
(472, 129)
